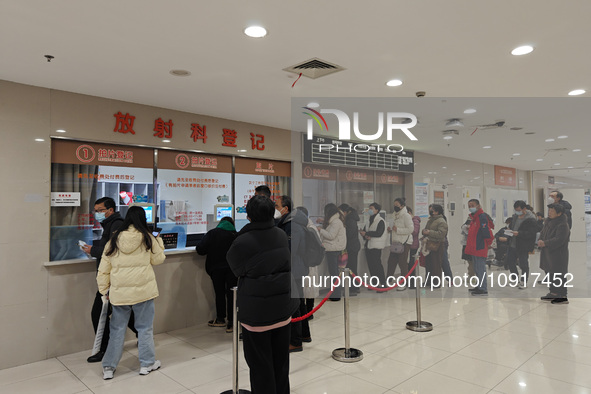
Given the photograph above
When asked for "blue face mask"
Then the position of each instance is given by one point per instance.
(473, 210)
(371, 212)
(100, 216)
(519, 213)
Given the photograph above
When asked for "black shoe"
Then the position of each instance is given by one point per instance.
(307, 339)
(96, 358)
(311, 317)
(560, 300)
(335, 299)
(295, 349)
(549, 297)
(479, 292)
(240, 336)
(216, 323)
(473, 289)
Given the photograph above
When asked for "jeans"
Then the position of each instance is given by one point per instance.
(445, 264)
(95, 315)
(144, 321)
(480, 270)
(512, 256)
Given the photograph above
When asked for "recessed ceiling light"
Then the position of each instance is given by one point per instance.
(522, 50)
(444, 167)
(394, 82)
(516, 154)
(587, 171)
(255, 31)
(522, 384)
(180, 73)
(575, 336)
(576, 92)
(487, 147)
(556, 164)
(448, 137)
(165, 140)
(60, 131)
(470, 111)
(550, 140)
(454, 174)
(539, 159)
(468, 170)
(313, 105)
(561, 137)
(241, 150)
(570, 167)
(576, 150)
(39, 139)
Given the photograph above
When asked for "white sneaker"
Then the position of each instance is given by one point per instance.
(108, 373)
(401, 288)
(153, 367)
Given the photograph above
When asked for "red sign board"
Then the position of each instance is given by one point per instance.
(505, 176)
(319, 172)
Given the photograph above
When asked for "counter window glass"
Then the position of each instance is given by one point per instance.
(319, 188)
(389, 186)
(356, 188)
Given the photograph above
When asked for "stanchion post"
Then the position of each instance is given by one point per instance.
(418, 325)
(235, 334)
(347, 354)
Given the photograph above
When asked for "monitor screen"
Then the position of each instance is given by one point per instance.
(222, 211)
(149, 213)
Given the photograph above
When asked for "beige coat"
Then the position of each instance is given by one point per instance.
(127, 275)
(334, 237)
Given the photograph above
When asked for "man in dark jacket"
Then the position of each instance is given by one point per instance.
(553, 244)
(556, 198)
(111, 221)
(215, 245)
(294, 223)
(524, 227)
(260, 258)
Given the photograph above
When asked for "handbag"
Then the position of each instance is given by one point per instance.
(433, 246)
(343, 259)
(396, 247)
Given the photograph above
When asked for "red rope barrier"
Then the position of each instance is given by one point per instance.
(384, 289)
(307, 315)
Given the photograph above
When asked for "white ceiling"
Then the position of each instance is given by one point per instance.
(125, 50)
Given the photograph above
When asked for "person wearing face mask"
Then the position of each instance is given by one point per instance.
(334, 239)
(376, 239)
(524, 227)
(480, 238)
(436, 232)
(400, 233)
(556, 198)
(111, 221)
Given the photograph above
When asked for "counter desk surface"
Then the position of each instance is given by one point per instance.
(92, 259)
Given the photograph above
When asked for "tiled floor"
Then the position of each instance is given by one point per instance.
(478, 345)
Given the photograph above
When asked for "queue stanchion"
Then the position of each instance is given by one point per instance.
(235, 333)
(418, 325)
(347, 354)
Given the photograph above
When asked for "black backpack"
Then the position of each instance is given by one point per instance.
(314, 249)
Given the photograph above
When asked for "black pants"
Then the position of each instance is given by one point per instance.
(333, 269)
(300, 329)
(267, 356)
(95, 315)
(223, 280)
(374, 263)
(523, 256)
(557, 279)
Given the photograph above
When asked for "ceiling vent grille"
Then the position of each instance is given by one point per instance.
(314, 68)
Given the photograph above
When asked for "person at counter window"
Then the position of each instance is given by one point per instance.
(215, 244)
(111, 221)
(260, 258)
(376, 239)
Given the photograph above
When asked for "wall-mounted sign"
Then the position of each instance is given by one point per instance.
(75, 152)
(389, 178)
(263, 167)
(356, 175)
(505, 176)
(63, 199)
(550, 180)
(325, 150)
(175, 160)
(319, 172)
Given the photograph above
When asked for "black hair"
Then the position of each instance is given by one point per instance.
(330, 210)
(136, 217)
(263, 190)
(519, 204)
(227, 219)
(509, 220)
(377, 206)
(409, 209)
(260, 209)
(107, 201)
(559, 195)
(557, 207)
(304, 210)
(529, 207)
(286, 202)
(401, 201)
(344, 207)
(474, 200)
(541, 214)
(438, 209)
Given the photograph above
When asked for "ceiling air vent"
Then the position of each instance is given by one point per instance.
(314, 68)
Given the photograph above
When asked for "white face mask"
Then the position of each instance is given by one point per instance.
(277, 214)
(550, 200)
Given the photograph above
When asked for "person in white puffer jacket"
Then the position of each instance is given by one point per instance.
(376, 239)
(334, 240)
(400, 232)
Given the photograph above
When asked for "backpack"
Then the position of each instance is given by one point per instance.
(314, 249)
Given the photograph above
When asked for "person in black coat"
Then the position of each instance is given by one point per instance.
(215, 245)
(353, 243)
(502, 245)
(111, 221)
(294, 223)
(260, 258)
(553, 244)
(524, 227)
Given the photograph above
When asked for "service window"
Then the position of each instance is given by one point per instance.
(389, 186)
(191, 186)
(251, 173)
(81, 173)
(356, 188)
(319, 188)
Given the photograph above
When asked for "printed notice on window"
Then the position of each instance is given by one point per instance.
(60, 199)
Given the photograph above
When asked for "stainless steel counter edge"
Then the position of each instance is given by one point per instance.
(58, 263)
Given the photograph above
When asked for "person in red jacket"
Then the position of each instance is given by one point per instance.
(480, 237)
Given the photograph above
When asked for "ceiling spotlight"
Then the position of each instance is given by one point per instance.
(522, 50)
(550, 140)
(561, 137)
(487, 147)
(470, 111)
(576, 92)
(255, 31)
(180, 73)
(60, 131)
(394, 82)
(39, 139)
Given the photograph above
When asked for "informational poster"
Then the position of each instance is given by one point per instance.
(439, 197)
(493, 208)
(505, 212)
(587, 203)
(65, 199)
(422, 199)
(368, 197)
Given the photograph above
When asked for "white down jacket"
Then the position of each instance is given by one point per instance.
(404, 227)
(127, 275)
(334, 236)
